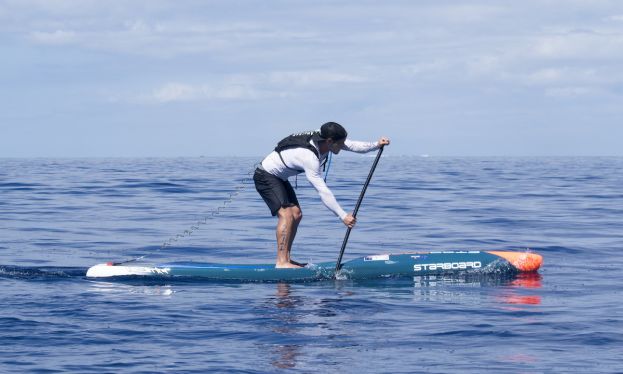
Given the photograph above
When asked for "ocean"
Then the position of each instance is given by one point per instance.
(60, 216)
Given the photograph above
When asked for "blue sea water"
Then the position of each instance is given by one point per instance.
(60, 216)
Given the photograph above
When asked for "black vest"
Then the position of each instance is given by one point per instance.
(300, 140)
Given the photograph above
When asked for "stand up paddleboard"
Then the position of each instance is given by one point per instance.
(376, 266)
(368, 267)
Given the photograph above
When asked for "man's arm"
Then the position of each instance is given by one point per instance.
(328, 199)
(363, 147)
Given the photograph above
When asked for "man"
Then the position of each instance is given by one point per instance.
(303, 153)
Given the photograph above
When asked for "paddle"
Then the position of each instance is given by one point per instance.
(338, 265)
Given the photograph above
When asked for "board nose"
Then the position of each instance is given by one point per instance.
(524, 261)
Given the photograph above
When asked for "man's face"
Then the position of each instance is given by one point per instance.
(336, 146)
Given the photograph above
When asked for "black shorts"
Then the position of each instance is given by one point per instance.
(276, 192)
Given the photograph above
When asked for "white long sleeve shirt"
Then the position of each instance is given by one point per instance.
(303, 159)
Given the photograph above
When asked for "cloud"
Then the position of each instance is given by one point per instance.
(572, 75)
(544, 76)
(584, 45)
(249, 86)
(137, 37)
(58, 37)
(571, 92)
(427, 67)
(465, 13)
(180, 92)
(166, 39)
(175, 92)
(313, 78)
(560, 61)
(489, 65)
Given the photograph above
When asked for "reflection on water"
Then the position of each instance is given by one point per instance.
(285, 355)
(144, 289)
(527, 280)
(302, 322)
(514, 293)
(512, 287)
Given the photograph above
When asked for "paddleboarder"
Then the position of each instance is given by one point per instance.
(307, 153)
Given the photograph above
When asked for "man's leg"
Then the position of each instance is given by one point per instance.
(297, 216)
(288, 221)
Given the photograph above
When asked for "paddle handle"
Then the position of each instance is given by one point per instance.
(338, 264)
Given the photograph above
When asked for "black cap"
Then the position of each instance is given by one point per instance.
(333, 130)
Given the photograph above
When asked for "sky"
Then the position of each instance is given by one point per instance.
(153, 78)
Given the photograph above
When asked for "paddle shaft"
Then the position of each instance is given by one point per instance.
(338, 265)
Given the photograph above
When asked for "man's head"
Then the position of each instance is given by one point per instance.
(334, 136)
(333, 130)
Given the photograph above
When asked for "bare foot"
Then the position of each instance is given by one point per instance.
(287, 265)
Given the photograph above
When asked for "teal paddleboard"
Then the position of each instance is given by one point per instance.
(368, 267)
